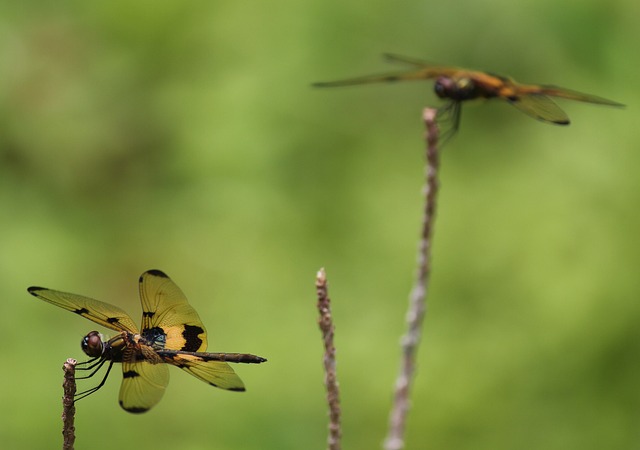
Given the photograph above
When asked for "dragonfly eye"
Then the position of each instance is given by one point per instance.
(444, 87)
(92, 344)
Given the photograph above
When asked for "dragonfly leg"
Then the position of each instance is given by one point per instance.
(84, 394)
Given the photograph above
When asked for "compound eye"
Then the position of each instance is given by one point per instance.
(444, 87)
(92, 344)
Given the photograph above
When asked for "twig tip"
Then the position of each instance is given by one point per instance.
(321, 278)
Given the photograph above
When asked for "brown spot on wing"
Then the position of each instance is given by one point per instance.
(143, 384)
(192, 338)
(102, 313)
(165, 306)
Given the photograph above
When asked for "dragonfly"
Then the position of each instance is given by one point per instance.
(172, 334)
(457, 85)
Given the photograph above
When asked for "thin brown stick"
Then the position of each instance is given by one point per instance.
(330, 379)
(68, 406)
(417, 299)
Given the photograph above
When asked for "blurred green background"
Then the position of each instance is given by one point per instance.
(185, 136)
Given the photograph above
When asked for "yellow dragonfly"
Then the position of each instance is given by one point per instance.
(458, 85)
(172, 333)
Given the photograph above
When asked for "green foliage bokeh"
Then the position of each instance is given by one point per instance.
(185, 136)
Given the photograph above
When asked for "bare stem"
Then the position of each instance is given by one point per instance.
(68, 406)
(417, 299)
(330, 380)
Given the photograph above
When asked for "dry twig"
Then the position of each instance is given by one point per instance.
(68, 406)
(330, 380)
(417, 299)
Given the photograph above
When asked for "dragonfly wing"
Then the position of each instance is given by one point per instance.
(102, 313)
(216, 373)
(556, 91)
(143, 385)
(392, 57)
(385, 78)
(425, 71)
(541, 107)
(165, 309)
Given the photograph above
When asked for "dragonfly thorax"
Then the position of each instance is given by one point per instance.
(154, 337)
(457, 89)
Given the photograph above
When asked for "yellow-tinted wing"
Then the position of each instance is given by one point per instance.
(102, 313)
(143, 385)
(556, 91)
(216, 373)
(542, 108)
(534, 100)
(424, 71)
(165, 307)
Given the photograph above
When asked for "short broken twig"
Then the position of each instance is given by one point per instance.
(417, 299)
(330, 380)
(68, 405)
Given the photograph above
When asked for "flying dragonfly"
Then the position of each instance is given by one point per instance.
(458, 85)
(172, 333)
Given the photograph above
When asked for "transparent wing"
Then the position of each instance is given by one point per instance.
(102, 313)
(556, 91)
(425, 71)
(541, 107)
(143, 385)
(216, 373)
(395, 58)
(164, 306)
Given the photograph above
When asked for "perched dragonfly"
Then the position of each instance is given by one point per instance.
(458, 85)
(172, 333)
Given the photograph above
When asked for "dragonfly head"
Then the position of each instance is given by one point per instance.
(457, 89)
(92, 344)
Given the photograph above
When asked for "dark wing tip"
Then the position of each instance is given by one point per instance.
(33, 289)
(155, 273)
(234, 389)
(134, 410)
(615, 104)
